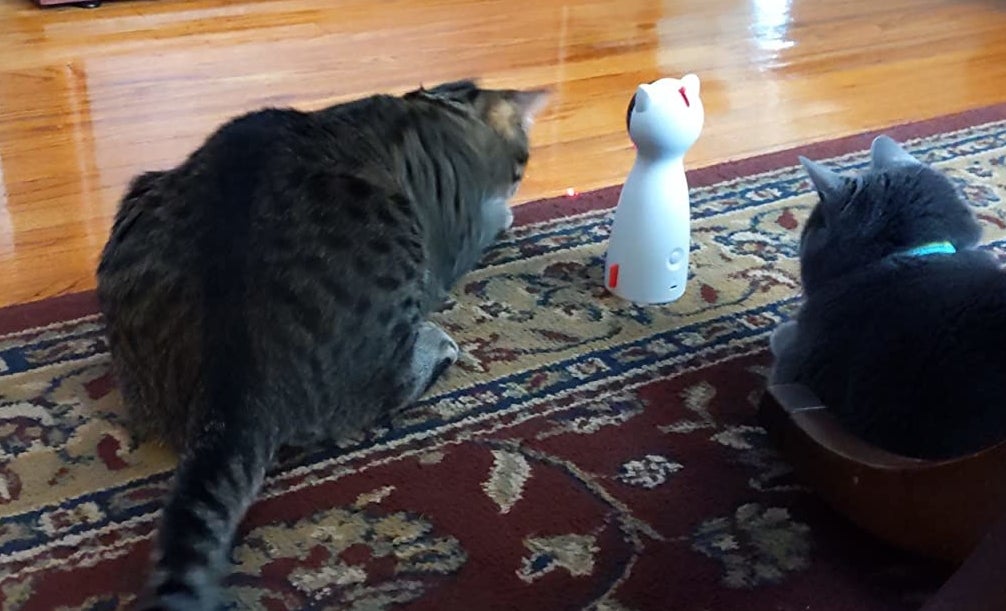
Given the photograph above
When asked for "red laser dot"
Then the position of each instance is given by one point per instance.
(570, 192)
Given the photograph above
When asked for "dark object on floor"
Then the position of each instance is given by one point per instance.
(77, 3)
(940, 509)
(978, 585)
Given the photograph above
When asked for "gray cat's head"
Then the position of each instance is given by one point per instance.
(899, 203)
(508, 113)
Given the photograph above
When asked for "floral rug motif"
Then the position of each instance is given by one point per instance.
(585, 453)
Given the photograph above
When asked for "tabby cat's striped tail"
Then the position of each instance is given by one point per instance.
(214, 486)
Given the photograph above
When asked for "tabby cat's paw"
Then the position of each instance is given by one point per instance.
(446, 349)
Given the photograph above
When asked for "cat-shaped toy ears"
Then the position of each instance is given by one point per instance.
(690, 82)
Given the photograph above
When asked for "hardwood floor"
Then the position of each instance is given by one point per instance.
(90, 97)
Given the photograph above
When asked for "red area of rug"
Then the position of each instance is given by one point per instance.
(664, 496)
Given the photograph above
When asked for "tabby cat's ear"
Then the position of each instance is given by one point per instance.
(530, 103)
(511, 111)
(886, 153)
(830, 185)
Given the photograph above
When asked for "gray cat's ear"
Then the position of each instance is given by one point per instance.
(530, 103)
(829, 184)
(886, 153)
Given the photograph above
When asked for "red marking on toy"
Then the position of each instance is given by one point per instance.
(613, 276)
(684, 95)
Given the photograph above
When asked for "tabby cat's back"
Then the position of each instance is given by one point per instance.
(274, 289)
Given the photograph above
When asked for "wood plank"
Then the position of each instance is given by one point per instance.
(89, 97)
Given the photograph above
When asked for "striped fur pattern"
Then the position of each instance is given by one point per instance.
(274, 288)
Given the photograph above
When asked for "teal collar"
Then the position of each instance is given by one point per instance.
(932, 248)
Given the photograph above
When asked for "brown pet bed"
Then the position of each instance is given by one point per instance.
(948, 509)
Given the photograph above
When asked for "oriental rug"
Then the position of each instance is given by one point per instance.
(585, 453)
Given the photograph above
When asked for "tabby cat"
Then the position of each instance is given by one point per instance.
(902, 333)
(273, 289)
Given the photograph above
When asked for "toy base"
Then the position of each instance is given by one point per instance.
(649, 299)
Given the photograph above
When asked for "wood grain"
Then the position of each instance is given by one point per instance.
(89, 97)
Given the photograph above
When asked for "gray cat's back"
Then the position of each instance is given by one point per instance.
(902, 333)
(914, 358)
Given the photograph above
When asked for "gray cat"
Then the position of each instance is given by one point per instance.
(902, 333)
(274, 289)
